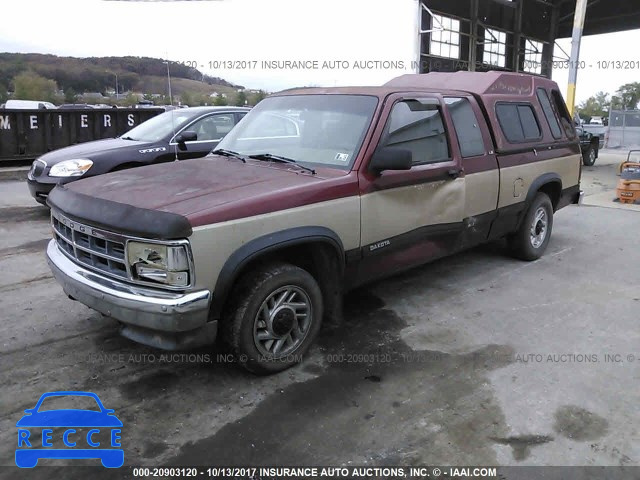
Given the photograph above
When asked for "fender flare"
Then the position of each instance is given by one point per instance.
(538, 183)
(263, 245)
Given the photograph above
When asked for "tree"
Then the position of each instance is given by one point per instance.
(3, 92)
(186, 98)
(202, 99)
(70, 95)
(596, 106)
(259, 97)
(628, 96)
(130, 100)
(220, 101)
(31, 86)
(241, 99)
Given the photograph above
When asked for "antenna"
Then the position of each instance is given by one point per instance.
(173, 123)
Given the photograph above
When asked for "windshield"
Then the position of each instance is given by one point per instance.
(158, 127)
(310, 129)
(79, 402)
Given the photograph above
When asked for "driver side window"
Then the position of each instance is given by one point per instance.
(418, 127)
(213, 127)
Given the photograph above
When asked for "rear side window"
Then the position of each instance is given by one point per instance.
(518, 122)
(548, 113)
(467, 126)
(418, 127)
(563, 113)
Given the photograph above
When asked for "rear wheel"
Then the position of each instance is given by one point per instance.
(589, 157)
(273, 317)
(530, 241)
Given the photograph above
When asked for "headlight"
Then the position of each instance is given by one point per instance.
(71, 168)
(159, 263)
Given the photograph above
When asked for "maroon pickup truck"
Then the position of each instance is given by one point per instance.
(314, 192)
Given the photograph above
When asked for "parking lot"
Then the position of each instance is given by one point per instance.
(474, 359)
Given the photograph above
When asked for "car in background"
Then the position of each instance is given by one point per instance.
(75, 106)
(589, 145)
(29, 105)
(175, 135)
(591, 138)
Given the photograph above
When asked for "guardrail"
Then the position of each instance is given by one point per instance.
(27, 134)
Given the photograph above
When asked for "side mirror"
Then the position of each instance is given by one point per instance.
(186, 136)
(391, 158)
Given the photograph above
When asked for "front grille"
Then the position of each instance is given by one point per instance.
(89, 246)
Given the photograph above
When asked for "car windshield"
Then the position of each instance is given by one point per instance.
(63, 402)
(313, 130)
(159, 127)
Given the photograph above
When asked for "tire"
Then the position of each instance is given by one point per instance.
(589, 157)
(530, 241)
(273, 317)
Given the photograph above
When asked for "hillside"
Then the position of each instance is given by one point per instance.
(97, 74)
(158, 85)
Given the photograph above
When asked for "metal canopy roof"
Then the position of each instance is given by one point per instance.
(512, 35)
(603, 16)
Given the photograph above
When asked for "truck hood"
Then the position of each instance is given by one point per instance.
(90, 149)
(214, 188)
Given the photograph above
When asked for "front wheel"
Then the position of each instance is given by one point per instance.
(273, 317)
(532, 237)
(589, 157)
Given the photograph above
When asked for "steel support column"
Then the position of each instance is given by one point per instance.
(473, 38)
(417, 54)
(547, 49)
(517, 37)
(576, 37)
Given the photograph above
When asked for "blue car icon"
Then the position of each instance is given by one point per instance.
(32, 446)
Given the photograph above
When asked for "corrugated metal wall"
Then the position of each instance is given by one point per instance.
(27, 134)
(624, 129)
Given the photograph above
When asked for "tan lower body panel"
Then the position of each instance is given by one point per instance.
(395, 211)
(213, 244)
(481, 192)
(515, 181)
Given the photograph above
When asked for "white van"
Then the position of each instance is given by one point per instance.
(28, 104)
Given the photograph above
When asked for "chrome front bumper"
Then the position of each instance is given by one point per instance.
(151, 316)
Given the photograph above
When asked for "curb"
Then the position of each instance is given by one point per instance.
(13, 174)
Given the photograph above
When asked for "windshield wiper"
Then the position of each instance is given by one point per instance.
(278, 158)
(127, 138)
(229, 153)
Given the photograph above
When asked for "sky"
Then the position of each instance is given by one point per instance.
(340, 42)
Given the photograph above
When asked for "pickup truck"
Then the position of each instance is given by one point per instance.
(591, 141)
(315, 192)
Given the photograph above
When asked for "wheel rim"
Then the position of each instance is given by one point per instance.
(539, 226)
(282, 322)
(592, 156)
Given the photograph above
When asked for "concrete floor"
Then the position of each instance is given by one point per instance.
(475, 359)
